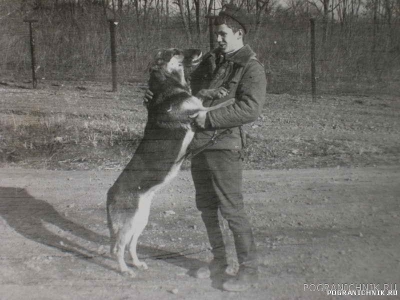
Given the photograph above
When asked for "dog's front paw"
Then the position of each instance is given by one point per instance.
(211, 94)
(220, 92)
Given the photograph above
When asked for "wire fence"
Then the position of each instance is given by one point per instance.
(362, 57)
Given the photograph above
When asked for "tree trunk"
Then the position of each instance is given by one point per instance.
(189, 16)
(137, 12)
(184, 21)
(210, 7)
(167, 12)
(157, 12)
(262, 6)
(388, 8)
(197, 12)
(374, 24)
(325, 22)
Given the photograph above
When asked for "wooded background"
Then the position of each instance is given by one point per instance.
(358, 41)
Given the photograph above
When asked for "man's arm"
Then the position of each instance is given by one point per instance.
(211, 94)
(250, 98)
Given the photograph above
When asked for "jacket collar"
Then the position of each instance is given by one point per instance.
(241, 56)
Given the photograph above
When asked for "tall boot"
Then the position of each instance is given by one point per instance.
(219, 263)
(247, 257)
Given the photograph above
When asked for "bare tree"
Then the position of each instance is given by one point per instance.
(263, 7)
(181, 7)
(325, 17)
(197, 8)
(375, 23)
(342, 12)
(388, 8)
(167, 12)
(325, 8)
(189, 18)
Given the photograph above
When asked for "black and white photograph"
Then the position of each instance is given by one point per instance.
(199, 149)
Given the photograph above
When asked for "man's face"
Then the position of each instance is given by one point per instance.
(228, 40)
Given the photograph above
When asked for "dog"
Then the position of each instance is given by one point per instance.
(159, 156)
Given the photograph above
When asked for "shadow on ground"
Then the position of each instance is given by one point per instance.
(28, 216)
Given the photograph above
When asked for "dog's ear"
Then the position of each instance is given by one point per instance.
(158, 61)
(159, 58)
(155, 65)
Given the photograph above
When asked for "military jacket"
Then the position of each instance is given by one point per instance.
(244, 77)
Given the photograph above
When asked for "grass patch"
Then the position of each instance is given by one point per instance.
(70, 127)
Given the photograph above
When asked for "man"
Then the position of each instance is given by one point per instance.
(232, 70)
(229, 71)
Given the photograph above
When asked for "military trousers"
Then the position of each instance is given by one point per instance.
(217, 176)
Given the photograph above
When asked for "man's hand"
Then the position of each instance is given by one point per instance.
(211, 94)
(148, 96)
(199, 119)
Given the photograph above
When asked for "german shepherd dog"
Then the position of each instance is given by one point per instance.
(158, 158)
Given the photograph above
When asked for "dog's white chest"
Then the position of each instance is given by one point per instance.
(185, 144)
(175, 167)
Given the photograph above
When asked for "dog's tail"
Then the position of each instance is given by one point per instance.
(113, 233)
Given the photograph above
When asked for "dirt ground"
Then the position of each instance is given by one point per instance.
(312, 226)
(321, 187)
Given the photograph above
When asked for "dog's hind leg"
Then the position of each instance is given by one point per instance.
(132, 250)
(119, 238)
(123, 237)
(139, 223)
(113, 235)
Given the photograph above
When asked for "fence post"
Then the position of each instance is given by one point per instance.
(113, 25)
(313, 75)
(32, 44)
(211, 30)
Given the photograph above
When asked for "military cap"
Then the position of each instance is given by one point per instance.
(235, 13)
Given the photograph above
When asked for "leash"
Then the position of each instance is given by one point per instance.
(214, 139)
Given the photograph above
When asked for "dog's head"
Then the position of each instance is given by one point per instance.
(169, 73)
(176, 63)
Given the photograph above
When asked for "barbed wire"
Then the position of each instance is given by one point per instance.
(80, 50)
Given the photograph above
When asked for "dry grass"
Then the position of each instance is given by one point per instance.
(83, 126)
